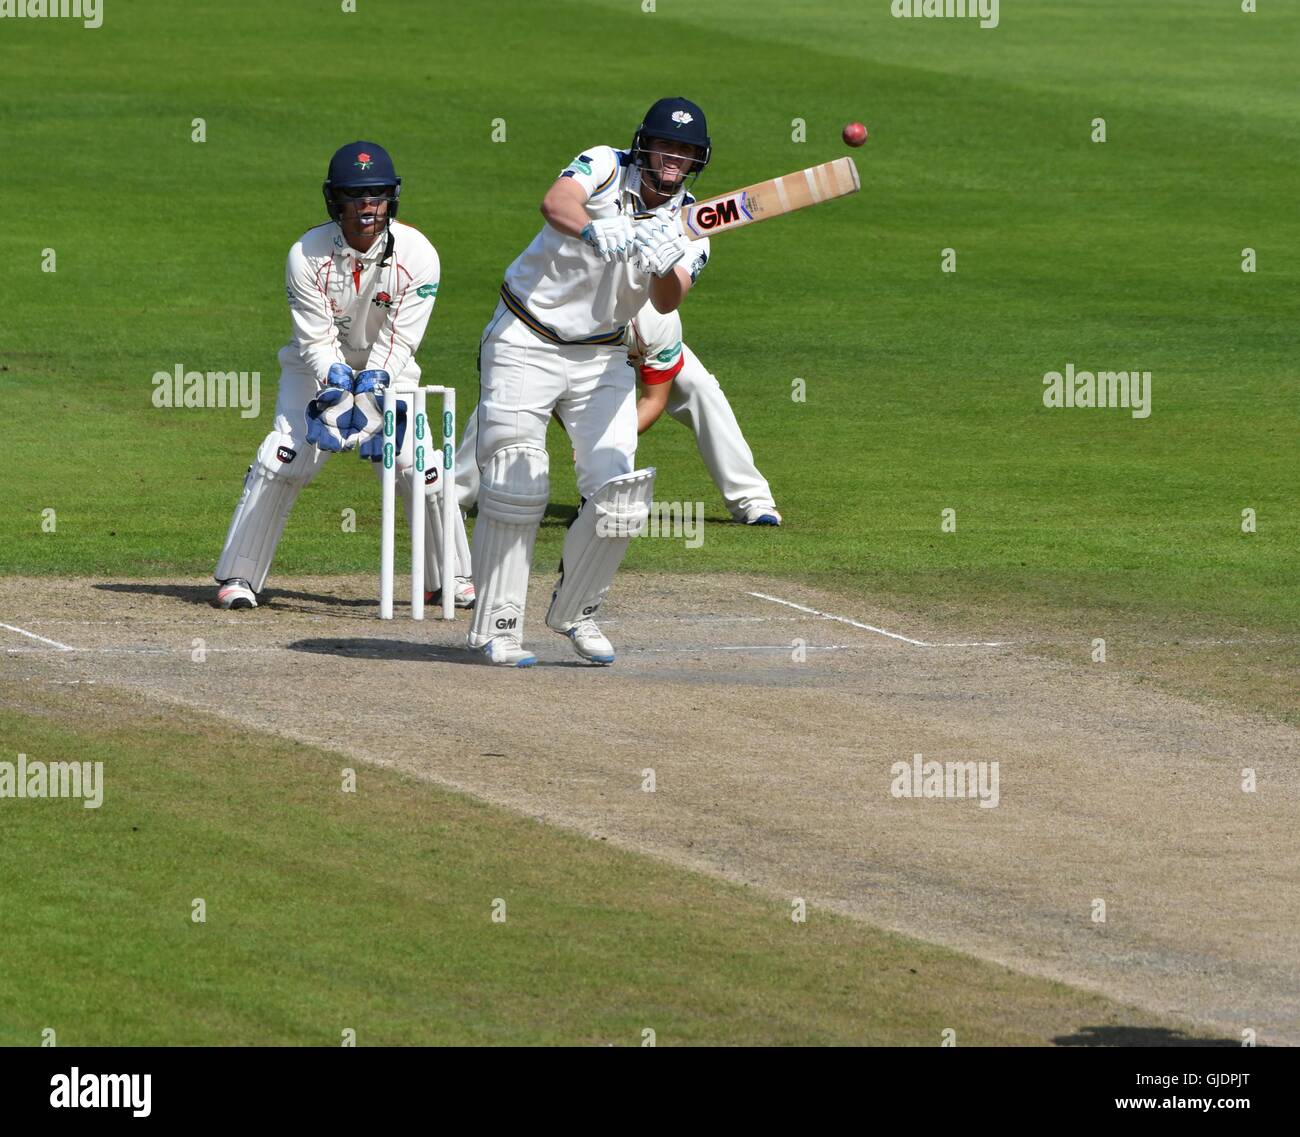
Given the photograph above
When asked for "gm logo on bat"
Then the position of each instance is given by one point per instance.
(721, 214)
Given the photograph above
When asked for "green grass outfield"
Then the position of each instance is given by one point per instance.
(372, 911)
(923, 388)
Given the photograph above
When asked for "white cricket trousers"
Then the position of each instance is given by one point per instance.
(698, 402)
(523, 378)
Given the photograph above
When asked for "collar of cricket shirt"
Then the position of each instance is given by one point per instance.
(633, 189)
(381, 250)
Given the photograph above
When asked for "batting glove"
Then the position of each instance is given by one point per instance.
(611, 237)
(659, 246)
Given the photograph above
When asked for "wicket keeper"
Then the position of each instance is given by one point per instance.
(361, 288)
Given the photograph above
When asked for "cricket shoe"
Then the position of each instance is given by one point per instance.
(236, 593)
(464, 594)
(589, 642)
(506, 651)
(762, 515)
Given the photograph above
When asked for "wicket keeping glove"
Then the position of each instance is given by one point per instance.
(373, 447)
(327, 415)
(367, 413)
(340, 375)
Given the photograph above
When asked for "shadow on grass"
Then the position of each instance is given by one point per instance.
(1137, 1036)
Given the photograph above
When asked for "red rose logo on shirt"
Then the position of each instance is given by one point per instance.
(382, 300)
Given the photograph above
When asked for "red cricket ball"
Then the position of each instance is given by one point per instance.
(855, 134)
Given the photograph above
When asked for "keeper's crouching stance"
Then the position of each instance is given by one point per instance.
(360, 290)
(556, 343)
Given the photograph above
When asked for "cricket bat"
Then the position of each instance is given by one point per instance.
(770, 199)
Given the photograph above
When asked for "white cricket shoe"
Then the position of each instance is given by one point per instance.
(589, 641)
(506, 651)
(762, 515)
(236, 593)
(464, 594)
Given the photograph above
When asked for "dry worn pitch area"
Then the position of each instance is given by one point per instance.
(773, 769)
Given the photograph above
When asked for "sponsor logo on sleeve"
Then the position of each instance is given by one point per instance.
(427, 290)
(582, 165)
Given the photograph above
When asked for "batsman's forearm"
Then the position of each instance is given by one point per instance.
(668, 291)
(565, 214)
(648, 410)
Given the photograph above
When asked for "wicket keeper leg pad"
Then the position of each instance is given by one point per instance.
(433, 529)
(272, 485)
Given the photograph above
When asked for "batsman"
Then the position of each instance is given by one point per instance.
(556, 343)
(361, 288)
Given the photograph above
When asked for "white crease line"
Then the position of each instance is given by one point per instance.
(872, 627)
(694, 619)
(737, 647)
(34, 636)
(141, 650)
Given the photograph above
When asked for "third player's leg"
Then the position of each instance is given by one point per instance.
(697, 401)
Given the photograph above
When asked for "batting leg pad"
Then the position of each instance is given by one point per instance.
(511, 503)
(595, 545)
(272, 485)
